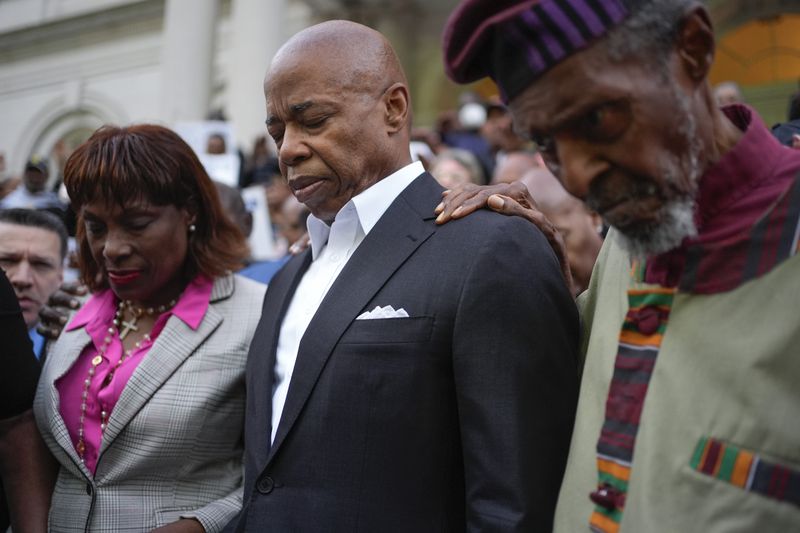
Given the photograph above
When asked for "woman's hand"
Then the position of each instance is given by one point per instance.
(513, 199)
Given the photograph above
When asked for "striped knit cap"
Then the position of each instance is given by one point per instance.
(514, 42)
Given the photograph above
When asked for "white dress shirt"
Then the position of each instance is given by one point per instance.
(331, 248)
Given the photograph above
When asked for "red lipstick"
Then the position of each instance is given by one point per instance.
(119, 277)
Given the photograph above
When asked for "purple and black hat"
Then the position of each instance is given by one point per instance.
(514, 42)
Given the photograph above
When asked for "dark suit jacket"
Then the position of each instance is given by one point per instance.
(457, 418)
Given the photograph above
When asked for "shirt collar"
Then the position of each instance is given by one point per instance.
(741, 169)
(742, 210)
(193, 303)
(190, 308)
(369, 205)
(38, 342)
(100, 307)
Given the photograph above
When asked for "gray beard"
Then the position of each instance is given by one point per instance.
(677, 224)
(677, 219)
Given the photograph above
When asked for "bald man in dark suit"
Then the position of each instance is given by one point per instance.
(405, 376)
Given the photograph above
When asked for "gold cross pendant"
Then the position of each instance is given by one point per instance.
(128, 327)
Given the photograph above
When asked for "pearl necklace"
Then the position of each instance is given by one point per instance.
(137, 312)
(128, 326)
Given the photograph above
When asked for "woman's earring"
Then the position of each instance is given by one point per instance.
(192, 228)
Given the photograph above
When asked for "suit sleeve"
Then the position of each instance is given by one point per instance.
(20, 368)
(515, 346)
(217, 514)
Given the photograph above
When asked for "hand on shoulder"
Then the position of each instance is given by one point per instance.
(512, 199)
(55, 313)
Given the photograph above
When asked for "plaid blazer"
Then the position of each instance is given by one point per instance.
(173, 446)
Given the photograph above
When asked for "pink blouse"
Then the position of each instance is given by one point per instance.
(96, 316)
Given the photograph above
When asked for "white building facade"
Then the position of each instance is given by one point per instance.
(69, 66)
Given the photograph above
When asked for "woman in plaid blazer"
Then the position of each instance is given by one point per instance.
(141, 400)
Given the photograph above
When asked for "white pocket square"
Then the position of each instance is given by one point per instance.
(383, 312)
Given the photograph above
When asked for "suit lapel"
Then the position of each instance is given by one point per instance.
(399, 232)
(176, 342)
(74, 342)
(261, 358)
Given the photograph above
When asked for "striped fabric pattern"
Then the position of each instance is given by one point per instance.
(639, 342)
(746, 470)
(546, 33)
(516, 41)
(772, 240)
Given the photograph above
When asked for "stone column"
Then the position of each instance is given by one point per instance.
(258, 30)
(187, 58)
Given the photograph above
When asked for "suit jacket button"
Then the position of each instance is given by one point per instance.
(265, 485)
(89, 489)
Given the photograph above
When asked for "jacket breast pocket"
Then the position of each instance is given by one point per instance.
(389, 331)
(747, 470)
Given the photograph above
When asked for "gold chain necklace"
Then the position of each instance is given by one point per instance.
(128, 326)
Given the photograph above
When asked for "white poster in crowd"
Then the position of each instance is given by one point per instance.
(223, 165)
(223, 168)
(262, 239)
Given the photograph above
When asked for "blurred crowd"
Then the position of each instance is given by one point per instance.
(474, 144)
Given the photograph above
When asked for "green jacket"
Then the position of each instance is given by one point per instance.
(718, 443)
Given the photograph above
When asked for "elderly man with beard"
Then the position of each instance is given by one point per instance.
(687, 419)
